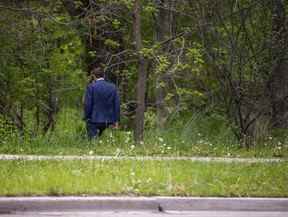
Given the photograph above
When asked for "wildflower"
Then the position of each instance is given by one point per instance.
(127, 140)
(132, 147)
(118, 151)
(201, 141)
(169, 148)
(91, 152)
(149, 180)
(160, 139)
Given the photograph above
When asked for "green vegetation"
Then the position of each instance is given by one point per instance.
(216, 73)
(181, 178)
(198, 135)
(202, 78)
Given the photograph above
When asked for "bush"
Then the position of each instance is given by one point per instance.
(7, 130)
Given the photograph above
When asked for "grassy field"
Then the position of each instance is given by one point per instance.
(195, 135)
(120, 143)
(181, 178)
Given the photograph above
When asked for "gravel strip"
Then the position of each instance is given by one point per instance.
(141, 158)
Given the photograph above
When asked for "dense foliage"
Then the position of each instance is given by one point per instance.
(223, 59)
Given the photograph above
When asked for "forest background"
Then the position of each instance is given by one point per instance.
(195, 77)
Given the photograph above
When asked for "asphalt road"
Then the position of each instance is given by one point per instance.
(148, 214)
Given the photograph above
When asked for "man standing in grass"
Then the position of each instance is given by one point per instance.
(101, 104)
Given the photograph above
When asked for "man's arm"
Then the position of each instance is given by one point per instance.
(88, 103)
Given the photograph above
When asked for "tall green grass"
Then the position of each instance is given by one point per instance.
(195, 134)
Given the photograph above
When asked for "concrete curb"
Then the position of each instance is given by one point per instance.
(227, 204)
(141, 158)
(31, 204)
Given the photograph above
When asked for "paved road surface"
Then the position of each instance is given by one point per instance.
(149, 214)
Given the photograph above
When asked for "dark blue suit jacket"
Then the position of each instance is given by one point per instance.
(101, 103)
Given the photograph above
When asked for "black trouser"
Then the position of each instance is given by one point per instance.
(95, 130)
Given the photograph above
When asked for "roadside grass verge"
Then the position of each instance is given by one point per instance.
(173, 178)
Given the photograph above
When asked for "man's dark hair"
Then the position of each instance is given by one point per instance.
(97, 72)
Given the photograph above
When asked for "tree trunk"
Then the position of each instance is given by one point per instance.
(278, 82)
(141, 82)
(164, 31)
(52, 108)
